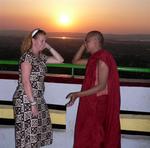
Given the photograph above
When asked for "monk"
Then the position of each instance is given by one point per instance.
(97, 122)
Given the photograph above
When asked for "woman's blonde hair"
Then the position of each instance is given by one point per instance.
(27, 42)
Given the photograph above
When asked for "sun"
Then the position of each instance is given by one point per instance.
(64, 19)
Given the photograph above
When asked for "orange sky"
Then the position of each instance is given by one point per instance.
(108, 16)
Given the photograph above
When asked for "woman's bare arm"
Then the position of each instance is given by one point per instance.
(56, 57)
(25, 71)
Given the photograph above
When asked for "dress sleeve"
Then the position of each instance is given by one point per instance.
(26, 58)
(44, 57)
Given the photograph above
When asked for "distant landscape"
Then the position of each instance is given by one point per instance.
(128, 50)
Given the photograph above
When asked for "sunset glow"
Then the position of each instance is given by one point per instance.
(109, 16)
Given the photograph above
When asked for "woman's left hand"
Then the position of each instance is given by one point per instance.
(47, 45)
(72, 96)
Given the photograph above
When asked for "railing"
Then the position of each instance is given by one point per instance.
(73, 67)
(132, 122)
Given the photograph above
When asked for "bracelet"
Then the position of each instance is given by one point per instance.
(33, 103)
(51, 49)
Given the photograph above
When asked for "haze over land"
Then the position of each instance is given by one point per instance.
(129, 50)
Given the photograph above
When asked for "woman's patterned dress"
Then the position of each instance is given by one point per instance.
(30, 131)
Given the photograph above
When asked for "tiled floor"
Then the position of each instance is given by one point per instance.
(64, 139)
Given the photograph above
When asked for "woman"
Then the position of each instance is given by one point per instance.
(32, 121)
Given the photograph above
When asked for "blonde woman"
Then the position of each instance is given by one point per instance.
(32, 121)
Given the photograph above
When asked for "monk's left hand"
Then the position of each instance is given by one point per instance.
(72, 96)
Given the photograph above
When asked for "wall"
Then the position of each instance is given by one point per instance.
(132, 99)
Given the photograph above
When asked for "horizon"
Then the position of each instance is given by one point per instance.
(15, 30)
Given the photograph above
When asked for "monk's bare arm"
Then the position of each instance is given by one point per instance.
(103, 76)
(77, 59)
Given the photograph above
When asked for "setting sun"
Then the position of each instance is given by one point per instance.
(64, 19)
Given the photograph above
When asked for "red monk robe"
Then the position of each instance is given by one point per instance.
(98, 123)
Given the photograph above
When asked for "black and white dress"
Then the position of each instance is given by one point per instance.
(30, 131)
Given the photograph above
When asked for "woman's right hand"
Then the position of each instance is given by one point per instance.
(34, 110)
